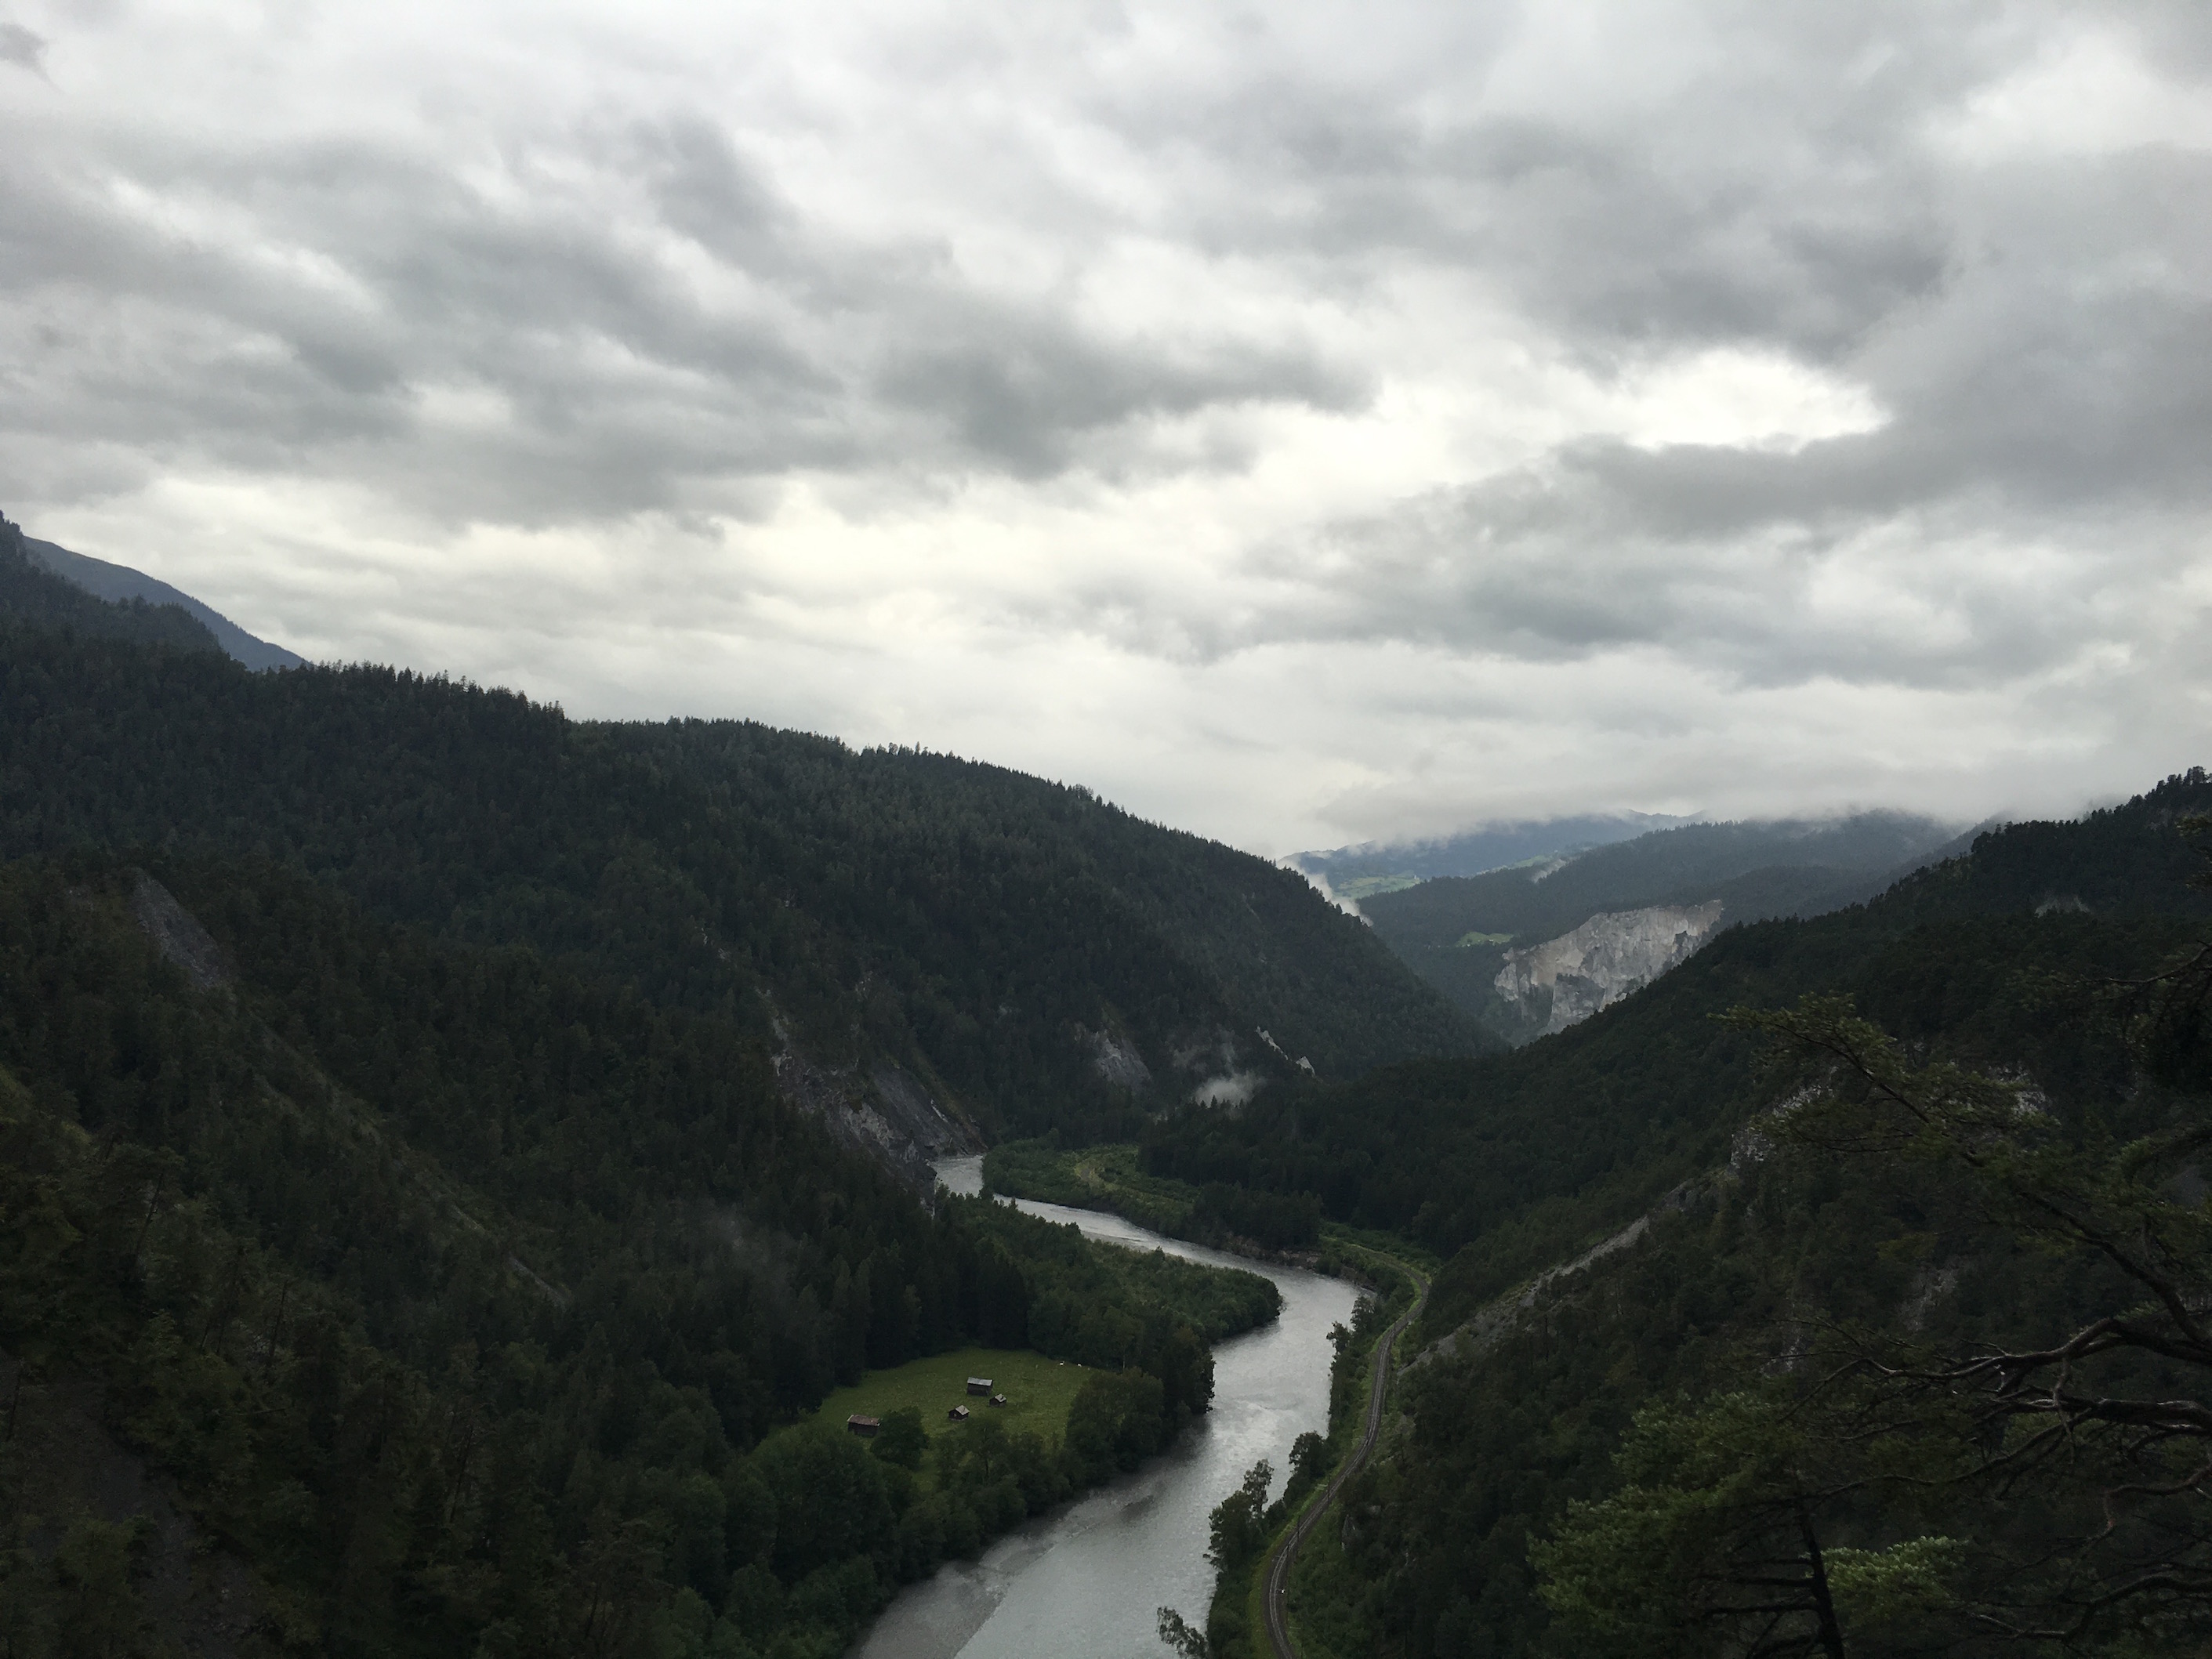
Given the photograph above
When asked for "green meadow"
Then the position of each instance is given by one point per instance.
(1038, 1391)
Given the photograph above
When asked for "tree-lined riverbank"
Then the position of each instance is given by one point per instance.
(1081, 1583)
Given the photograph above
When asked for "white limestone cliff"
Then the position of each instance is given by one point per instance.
(1603, 960)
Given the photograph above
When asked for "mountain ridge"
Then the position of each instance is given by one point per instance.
(976, 928)
(1353, 872)
(115, 583)
(1667, 1237)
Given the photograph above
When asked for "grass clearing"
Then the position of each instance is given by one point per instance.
(1107, 1177)
(1380, 1255)
(1038, 1391)
(1092, 1178)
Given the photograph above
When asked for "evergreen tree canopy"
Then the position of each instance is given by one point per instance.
(1018, 945)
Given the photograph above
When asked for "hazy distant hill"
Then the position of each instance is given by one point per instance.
(1355, 873)
(118, 583)
(1456, 931)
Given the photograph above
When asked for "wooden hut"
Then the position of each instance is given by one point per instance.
(865, 1427)
(957, 1414)
(979, 1385)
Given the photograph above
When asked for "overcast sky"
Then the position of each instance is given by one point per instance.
(1302, 423)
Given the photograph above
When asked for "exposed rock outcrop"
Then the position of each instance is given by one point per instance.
(177, 933)
(1495, 1320)
(191, 1584)
(888, 1114)
(913, 1112)
(1115, 1059)
(1283, 1053)
(1570, 978)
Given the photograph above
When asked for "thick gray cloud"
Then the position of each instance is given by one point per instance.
(1310, 423)
(22, 48)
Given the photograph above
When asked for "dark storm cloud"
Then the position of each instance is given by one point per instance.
(22, 48)
(369, 275)
(1782, 191)
(2037, 329)
(392, 276)
(1025, 390)
(1697, 359)
(1719, 551)
(1785, 195)
(708, 191)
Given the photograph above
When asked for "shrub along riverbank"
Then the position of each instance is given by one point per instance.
(1266, 1226)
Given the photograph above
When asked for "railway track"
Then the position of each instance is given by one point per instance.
(1286, 1553)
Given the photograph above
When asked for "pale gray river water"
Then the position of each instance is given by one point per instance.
(1083, 1582)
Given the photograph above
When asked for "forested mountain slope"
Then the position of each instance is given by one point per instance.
(32, 596)
(421, 1219)
(120, 584)
(1774, 1393)
(1455, 932)
(1648, 1092)
(428, 1299)
(1017, 949)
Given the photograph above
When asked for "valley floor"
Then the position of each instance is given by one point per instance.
(1038, 1392)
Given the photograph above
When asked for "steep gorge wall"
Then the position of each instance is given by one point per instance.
(1570, 978)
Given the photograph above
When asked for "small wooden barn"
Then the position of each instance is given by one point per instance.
(979, 1385)
(957, 1414)
(865, 1427)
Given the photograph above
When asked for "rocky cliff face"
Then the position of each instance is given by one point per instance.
(1570, 977)
(887, 1113)
(1115, 1059)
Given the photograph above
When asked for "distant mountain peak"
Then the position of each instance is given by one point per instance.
(119, 582)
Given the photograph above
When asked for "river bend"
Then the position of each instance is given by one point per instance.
(1082, 1582)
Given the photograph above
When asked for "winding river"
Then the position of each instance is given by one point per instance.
(1083, 1582)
